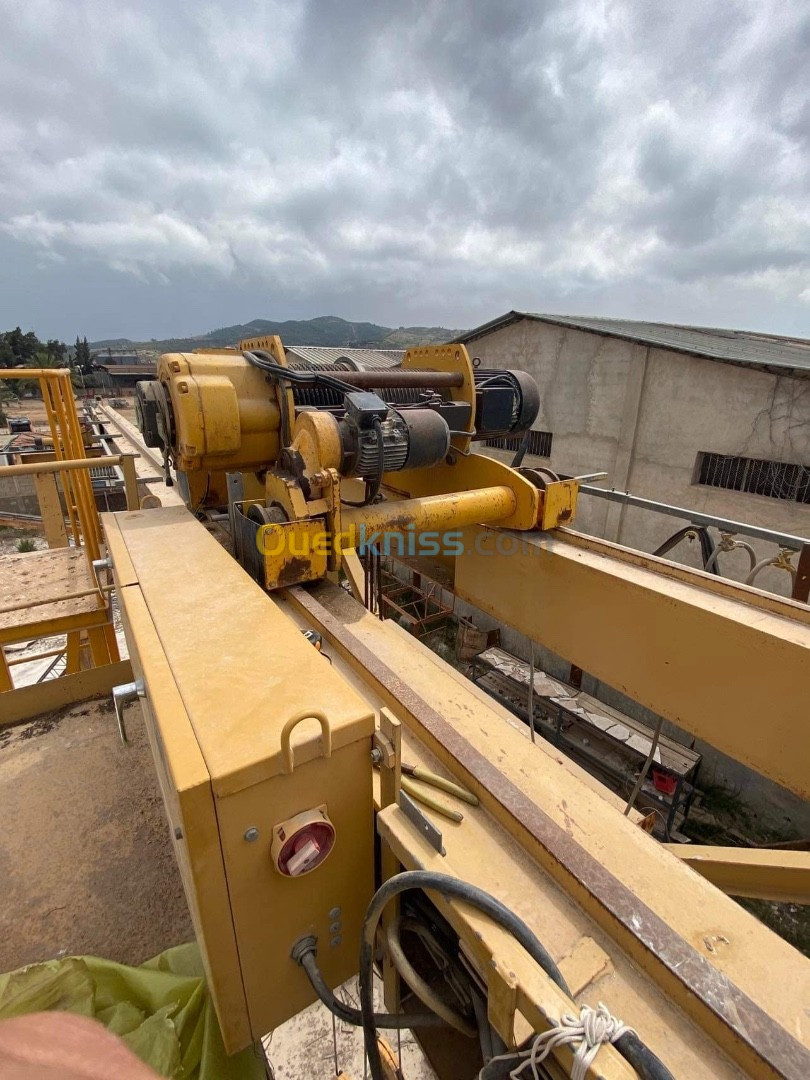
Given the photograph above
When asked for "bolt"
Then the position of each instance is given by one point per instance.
(336, 940)
(178, 833)
(251, 834)
(334, 913)
(335, 928)
(376, 756)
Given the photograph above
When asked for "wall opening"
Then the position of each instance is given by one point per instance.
(539, 443)
(756, 476)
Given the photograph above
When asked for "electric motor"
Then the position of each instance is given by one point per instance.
(378, 439)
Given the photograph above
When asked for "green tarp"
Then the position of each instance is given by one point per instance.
(162, 1010)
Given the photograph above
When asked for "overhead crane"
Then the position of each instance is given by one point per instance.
(516, 913)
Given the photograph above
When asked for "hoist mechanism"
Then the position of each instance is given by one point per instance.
(310, 462)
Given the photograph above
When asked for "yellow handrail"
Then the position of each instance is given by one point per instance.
(68, 445)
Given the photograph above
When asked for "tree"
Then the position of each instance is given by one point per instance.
(7, 395)
(22, 347)
(18, 349)
(56, 351)
(83, 360)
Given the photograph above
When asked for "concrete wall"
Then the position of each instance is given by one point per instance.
(642, 414)
(690, 404)
(18, 495)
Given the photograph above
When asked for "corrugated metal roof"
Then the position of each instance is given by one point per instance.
(22, 441)
(357, 359)
(146, 371)
(744, 347)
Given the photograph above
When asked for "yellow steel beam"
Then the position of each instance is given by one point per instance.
(6, 682)
(764, 874)
(130, 480)
(53, 520)
(721, 661)
(51, 625)
(51, 374)
(353, 569)
(28, 702)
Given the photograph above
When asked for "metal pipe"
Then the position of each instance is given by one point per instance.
(26, 605)
(795, 543)
(60, 466)
(391, 378)
(431, 513)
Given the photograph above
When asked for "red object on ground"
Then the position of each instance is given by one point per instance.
(664, 782)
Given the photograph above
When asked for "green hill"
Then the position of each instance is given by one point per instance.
(324, 330)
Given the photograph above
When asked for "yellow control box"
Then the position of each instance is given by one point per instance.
(264, 759)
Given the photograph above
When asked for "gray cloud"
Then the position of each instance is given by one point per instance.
(168, 168)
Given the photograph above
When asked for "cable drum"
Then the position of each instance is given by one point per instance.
(326, 397)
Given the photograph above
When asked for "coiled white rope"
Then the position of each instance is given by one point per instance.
(591, 1030)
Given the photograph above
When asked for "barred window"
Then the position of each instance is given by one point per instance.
(539, 443)
(776, 479)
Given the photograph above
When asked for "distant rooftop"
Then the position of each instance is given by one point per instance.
(128, 356)
(746, 347)
(351, 359)
(146, 371)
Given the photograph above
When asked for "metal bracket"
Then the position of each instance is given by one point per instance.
(122, 695)
(98, 566)
(422, 823)
(383, 750)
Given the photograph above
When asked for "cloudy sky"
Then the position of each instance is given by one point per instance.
(167, 167)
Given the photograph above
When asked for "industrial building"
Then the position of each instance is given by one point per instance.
(713, 420)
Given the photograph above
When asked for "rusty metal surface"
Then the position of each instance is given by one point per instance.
(398, 377)
(756, 1039)
(801, 586)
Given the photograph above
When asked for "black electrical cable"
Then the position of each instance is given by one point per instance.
(304, 953)
(648, 1066)
(459, 890)
(517, 460)
(703, 535)
(298, 378)
(643, 1060)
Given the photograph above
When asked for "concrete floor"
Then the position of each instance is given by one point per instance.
(85, 857)
(307, 1044)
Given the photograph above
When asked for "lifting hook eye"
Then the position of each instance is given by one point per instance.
(293, 722)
